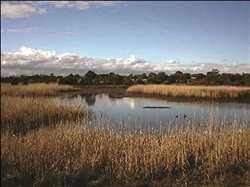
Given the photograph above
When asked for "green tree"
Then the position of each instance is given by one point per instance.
(213, 76)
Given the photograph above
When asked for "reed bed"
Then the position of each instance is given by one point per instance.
(36, 89)
(88, 157)
(44, 143)
(205, 92)
(19, 115)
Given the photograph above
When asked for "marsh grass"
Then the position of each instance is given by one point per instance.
(46, 144)
(21, 114)
(36, 89)
(203, 92)
(76, 155)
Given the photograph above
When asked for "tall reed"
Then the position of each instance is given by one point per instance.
(207, 92)
(36, 89)
(19, 115)
(75, 155)
(44, 143)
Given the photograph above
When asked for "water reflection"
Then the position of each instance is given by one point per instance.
(128, 112)
(90, 99)
(131, 102)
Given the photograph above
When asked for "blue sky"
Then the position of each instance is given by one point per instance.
(186, 32)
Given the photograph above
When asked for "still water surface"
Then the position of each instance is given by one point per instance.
(129, 112)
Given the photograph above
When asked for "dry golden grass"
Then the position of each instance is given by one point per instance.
(213, 92)
(80, 155)
(63, 152)
(37, 89)
(22, 114)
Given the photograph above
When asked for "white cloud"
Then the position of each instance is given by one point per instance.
(29, 52)
(34, 29)
(24, 9)
(19, 10)
(81, 5)
(32, 61)
(18, 30)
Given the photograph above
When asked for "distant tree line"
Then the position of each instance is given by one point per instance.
(213, 77)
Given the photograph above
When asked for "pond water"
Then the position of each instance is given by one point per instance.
(129, 112)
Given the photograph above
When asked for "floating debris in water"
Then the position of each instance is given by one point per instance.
(156, 107)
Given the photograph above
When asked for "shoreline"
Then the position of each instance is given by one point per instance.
(121, 91)
(40, 138)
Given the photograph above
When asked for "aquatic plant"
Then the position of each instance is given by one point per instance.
(48, 144)
(21, 114)
(36, 89)
(73, 155)
(205, 92)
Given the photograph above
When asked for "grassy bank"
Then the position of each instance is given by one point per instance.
(112, 90)
(46, 143)
(198, 92)
(84, 156)
(21, 114)
(42, 89)
(38, 89)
